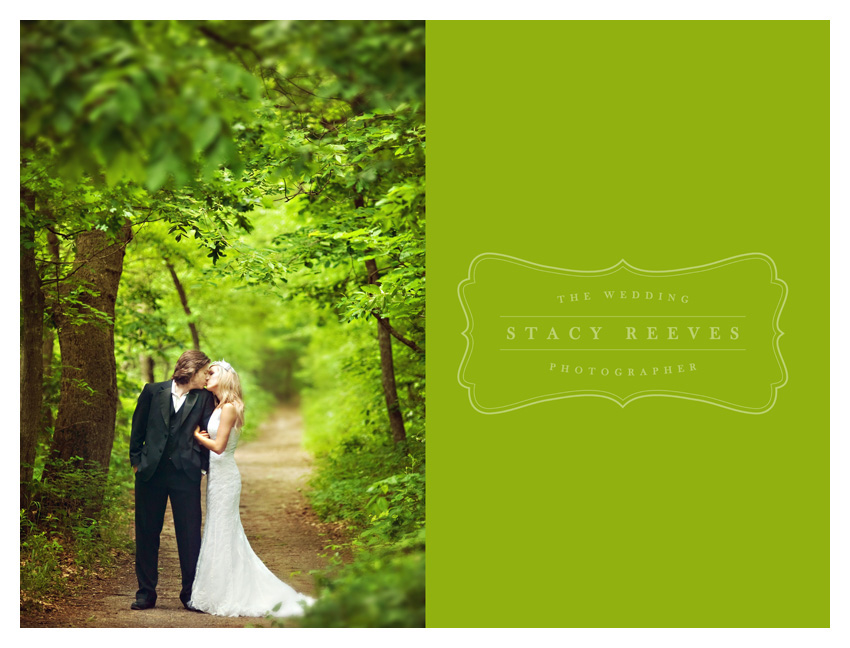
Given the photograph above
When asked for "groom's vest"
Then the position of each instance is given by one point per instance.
(171, 447)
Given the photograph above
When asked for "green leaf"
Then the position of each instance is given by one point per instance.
(205, 134)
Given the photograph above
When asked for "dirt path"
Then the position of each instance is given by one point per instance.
(282, 528)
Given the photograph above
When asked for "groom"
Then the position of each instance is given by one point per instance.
(168, 463)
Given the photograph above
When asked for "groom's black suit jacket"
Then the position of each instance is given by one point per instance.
(149, 432)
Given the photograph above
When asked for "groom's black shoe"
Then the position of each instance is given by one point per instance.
(141, 605)
(192, 608)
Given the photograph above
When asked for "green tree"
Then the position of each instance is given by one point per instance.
(119, 124)
(348, 118)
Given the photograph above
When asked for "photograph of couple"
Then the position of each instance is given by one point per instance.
(182, 428)
(255, 191)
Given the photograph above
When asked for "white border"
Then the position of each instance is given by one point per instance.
(839, 634)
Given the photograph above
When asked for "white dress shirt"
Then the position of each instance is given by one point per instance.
(176, 398)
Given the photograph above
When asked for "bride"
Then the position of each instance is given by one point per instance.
(230, 579)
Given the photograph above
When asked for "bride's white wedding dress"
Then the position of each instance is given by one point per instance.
(230, 579)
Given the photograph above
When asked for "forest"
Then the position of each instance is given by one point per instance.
(256, 190)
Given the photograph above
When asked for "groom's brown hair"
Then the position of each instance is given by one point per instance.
(189, 363)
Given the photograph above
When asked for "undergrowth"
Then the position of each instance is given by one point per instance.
(74, 527)
(377, 489)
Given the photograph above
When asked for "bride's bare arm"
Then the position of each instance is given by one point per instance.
(217, 445)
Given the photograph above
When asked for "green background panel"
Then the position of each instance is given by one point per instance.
(668, 144)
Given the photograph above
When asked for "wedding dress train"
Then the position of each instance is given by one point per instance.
(230, 579)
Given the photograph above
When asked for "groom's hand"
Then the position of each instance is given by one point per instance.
(135, 469)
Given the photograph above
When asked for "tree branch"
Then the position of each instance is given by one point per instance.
(233, 46)
(185, 303)
(398, 336)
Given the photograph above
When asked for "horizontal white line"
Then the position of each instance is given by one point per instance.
(622, 350)
(632, 316)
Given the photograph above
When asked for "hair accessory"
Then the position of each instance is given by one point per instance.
(224, 364)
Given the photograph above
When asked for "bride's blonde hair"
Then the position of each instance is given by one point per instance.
(230, 389)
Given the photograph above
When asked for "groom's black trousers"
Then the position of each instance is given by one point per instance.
(168, 482)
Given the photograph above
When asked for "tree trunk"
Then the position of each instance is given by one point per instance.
(49, 340)
(287, 379)
(148, 365)
(85, 424)
(32, 374)
(47, 369)
(387, 369)
(195, 339)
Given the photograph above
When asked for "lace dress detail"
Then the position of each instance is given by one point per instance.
(230, 579)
